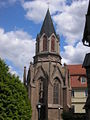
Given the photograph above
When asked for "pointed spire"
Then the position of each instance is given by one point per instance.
(88, 12)
(47, 26)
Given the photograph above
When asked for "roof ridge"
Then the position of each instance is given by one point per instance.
(74, 64)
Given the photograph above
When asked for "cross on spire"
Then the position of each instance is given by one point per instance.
(48, 4)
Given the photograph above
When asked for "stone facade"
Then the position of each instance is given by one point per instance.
(47, 81)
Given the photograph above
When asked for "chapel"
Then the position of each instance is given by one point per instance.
(48, 82)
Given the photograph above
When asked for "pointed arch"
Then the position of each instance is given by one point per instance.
(56, 91)
(41, 89)
(53, 43)
(57, 74)
(44, 43)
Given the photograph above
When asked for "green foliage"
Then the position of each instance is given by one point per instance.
(67, 115)
(14, 103)
(72, 116)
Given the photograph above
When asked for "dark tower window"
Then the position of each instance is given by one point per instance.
(45, 43)
(41, 91)
(52, 43)
(56, 92)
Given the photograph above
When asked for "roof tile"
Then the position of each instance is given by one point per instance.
(76, 72)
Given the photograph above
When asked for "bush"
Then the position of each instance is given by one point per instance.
(14, 103)
(67, 115)
(73, 116)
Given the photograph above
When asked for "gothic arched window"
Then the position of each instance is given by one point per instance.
(44, 43)
(56, 92)
(41, 90)
(52, 43)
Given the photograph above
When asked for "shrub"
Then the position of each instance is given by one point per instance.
(14, 103)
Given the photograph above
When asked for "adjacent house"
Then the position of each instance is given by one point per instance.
(79, 87)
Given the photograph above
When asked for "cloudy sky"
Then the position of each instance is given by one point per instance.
(21, 21)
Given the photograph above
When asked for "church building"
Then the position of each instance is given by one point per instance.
(48, 82)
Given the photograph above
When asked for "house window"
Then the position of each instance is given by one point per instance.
(56, 92)
(45, 43)
(83, 80)
(86, 93)
(72, 93)
(73, 108)
(52, 43)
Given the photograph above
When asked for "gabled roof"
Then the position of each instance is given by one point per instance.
(76, 70)
(47, 26)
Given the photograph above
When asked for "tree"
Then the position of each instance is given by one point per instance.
(14, 103)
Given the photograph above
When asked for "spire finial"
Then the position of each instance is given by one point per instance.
(48, 4)
(47, 26)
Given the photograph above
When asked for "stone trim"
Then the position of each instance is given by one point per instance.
(54, 106)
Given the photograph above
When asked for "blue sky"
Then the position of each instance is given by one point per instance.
(21, 20)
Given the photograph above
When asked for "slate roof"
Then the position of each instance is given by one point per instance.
(76, 72)
(47, 26)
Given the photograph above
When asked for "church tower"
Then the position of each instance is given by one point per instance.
(47, 42)
(47, 81)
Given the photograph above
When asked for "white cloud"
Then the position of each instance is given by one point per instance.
(74, 55)
(17, 47)
(71, 21)
(36, 10)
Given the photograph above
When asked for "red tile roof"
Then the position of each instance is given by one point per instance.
(76, 82)
(76, 71)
